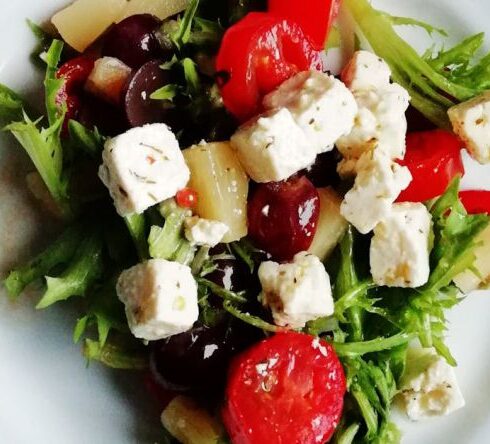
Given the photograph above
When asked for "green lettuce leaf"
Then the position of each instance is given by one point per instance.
(116, 355)
(84, 269)
(136, 224)
(59, 252)
(432, 90)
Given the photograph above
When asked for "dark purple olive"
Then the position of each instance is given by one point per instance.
(140, 108)
(417, 121)
(133, 40)
(198, 359)
(323, 172)
(109, 119)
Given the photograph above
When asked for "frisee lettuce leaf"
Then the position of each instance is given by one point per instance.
(43, 145)
(115, 355)
(83, 270)
(164, 242)
(432, 90)
(58, 253)
(91, 142)
(136, 224)
(105, 312)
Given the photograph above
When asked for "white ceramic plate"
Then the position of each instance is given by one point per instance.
(48, 396)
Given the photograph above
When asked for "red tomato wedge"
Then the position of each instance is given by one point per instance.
(75, 73)
(476, 201)
(257, 54)
(434, 159)
(287, 389)
(314, 16)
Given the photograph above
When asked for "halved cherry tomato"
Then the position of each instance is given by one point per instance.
(75, 73)
(257, 54)
(287, 389)
(476, 201)
(434, 159)
(186, 198)
(314, 16)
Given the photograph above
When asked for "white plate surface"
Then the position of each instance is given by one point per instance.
(48, 396)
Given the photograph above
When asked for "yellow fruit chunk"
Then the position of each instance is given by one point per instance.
(189, 423)
(221, 185)
(159, 8)
(81, 23)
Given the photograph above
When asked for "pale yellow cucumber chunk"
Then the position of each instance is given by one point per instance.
(331, 224)
(159, 8)
(81, 23)
(189, 423)
(221, 185)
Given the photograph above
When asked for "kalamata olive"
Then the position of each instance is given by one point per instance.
(133, 40)
(198, 359)
(283, 216)
(323, 172)
(232, 274)
(417, 121)
(109, 119)
(140, 108)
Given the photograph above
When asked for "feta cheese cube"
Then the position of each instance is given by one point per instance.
(429, 386)
(200, 231)
(297, 292)
(160, 299)
(399, 254)
(378, 183)
(273, 147)
(366, 70)
(471, 122)
(143, 167)
(380, 123)
(320, 104)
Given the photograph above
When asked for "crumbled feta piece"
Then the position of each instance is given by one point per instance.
(366, 70)
(273, 147)
(201, 231)
(320, 104)
(380, 123)
(399, 254)
(143, 167)
(160, 299)
(297, 292)
(471, 122)
(429, 386)
(379, 182)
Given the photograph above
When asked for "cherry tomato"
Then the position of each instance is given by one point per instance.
(314, 16)
(257, 54)
(287, 389)
(476, 201)
(434, 159)
(186, 198)
(283, 216)
(75, 73)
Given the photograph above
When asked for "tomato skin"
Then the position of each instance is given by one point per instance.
(476, 201)
(434, 159)
(75, 73)
(314, 16)
(186, 198)
(287, 389)
(257, 54)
